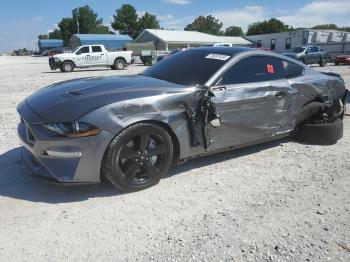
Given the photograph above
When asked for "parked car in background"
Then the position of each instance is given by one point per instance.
(309, 55)
(90, 56)
(342, 59)
(131, 129)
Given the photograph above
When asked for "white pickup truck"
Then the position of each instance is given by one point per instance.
(90, 56)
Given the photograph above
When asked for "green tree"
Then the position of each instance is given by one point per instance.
(147, 21)
(67, 27)
(55, 34)
(267, 27)
(88, 21)
(84, 18)
(125, 21)
(331, 27)
(43, 36)
(209, 25)
(326, 27)
(234, 31)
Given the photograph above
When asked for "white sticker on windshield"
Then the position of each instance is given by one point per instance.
(218, 57)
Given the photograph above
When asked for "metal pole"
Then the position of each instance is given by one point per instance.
(78, 20)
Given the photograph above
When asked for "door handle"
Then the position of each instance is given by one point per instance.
(279, 94)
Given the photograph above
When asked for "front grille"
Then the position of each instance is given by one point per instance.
(30, 136)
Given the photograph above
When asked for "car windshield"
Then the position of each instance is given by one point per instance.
(190, 67)
(75, 49)
(299, 49)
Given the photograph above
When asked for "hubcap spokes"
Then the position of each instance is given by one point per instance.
(141, 159)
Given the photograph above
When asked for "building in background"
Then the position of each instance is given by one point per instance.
(175, 39)
(332, 41)
(48, 44)
(110, 41)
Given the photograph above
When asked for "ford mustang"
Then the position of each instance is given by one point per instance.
(131, 129)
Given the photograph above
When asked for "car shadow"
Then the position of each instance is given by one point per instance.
(79, 71)
(223, 156)
(15, 183)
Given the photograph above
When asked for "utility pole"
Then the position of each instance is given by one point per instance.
(78, 19)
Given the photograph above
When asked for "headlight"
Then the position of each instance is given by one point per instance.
(73, 129)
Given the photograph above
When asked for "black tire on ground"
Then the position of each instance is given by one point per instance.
(323, 62)
(138, 157)
(67, 66)
(119, 64)
(336, 63)
(321, 134)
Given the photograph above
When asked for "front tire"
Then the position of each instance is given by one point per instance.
(138, 157)
(67, 66)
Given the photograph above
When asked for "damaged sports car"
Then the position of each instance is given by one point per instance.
(131, 129)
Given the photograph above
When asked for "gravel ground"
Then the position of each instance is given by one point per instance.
(281, 201)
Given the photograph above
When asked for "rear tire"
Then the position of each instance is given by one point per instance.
(336, 63)
(119, 64)
(321, 134)
(67, 66)
(138, 157)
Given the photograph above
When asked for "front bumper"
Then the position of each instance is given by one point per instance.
(60, 159)
(54, 64)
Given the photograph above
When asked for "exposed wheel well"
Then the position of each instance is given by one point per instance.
(120, 58)
(70, 62)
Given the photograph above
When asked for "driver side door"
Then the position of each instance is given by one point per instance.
(83, 57)
(252, 99)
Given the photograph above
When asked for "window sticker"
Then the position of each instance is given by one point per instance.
(218, 57)
(270, 69)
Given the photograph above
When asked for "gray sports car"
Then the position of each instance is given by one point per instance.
(130, 129)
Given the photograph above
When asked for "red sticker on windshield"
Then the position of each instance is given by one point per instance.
(270, 69)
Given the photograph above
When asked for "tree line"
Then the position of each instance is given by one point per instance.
(126, 20)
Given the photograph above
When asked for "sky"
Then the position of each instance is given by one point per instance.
(21, 21)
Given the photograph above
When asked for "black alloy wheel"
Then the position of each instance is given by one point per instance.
(138, 157)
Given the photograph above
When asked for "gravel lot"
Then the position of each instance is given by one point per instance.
(281, 201)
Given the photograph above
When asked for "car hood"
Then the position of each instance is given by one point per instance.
(63, 55)
(69, 100)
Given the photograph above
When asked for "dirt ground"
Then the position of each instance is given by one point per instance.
(280, 201)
